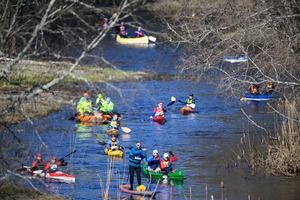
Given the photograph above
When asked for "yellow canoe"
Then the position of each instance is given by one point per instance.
(118, 153)
(140, 40)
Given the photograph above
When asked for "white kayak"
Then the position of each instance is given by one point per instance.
(235, 59)
(57, 176)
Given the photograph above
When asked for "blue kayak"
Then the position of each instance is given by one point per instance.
(257, 97)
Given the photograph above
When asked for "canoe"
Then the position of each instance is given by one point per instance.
(257, 97)
(140, 40)
(159, 119)
(117, 153)
(125, 188)
(57, 176)
(175, 175)
(185, 110)
(93, 118)
(112, 132)
(235, 59)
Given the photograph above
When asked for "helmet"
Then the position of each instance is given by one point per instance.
(155, 151)
(141, 188)
(166, 155)
(191, 95)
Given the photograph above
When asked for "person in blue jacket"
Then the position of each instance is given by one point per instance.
(136, 156)
(153, 162)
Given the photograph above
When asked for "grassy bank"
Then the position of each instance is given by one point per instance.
(28, 74)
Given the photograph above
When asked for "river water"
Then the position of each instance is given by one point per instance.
(204, 142)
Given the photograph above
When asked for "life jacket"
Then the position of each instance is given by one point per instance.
(139, 33)
(84, 106)
(38, 164)
(136, 156)
(165, 164)
(107, 107)
(123, 33)
(114, 124)
(158, 111)
(190, 101)
(153, 162)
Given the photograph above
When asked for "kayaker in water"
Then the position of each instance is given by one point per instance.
(114, 124)
(107, 106)
(123, 33)
(54, 164)
(253, 89)
(136, 156)
(270, 88)
(190, 101)
(85, 105)
(153, 162)
(159, 110)
(166, 163)
(114, 144)
(38, 163)
(139, 32)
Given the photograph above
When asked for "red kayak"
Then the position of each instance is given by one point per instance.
(159, 119)
(125, 188)
(57, 176)
(185, 110)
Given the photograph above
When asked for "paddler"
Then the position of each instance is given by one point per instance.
(38, 163)
(159, 110)
(54, 164)
(136, 156)
(85, 105)
(166, 163)
(153, 162)
(190, 102)
(139, 32)
(114, 144)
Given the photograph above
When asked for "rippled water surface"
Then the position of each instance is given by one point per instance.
(203, 141)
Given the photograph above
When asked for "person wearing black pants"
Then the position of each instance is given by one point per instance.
(135, 158)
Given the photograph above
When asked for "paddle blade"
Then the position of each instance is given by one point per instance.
(192, 105)
(152, 39)
(126, 129)
(173, 98)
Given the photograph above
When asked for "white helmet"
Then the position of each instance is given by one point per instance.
(166, 155)
(155, 151)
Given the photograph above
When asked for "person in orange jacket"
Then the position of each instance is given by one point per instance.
(166, 163)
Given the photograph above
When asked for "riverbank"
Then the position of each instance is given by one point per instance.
(29, 74)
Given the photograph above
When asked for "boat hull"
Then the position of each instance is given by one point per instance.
(132, 41)
(125, 188)
(117, 153)
(175, 175)
(257, 97)
(159, 119)
(185, 110)
(57, 176)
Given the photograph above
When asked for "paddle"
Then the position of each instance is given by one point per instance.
(152, 39)
(74, 151)
(125, 129)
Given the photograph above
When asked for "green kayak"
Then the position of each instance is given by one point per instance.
(175, 175)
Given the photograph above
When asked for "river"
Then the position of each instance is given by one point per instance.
(204, 142)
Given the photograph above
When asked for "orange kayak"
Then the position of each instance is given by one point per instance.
(185, 110)
(93, 118)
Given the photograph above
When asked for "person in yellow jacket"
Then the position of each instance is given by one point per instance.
(107, 106)
(85, 105)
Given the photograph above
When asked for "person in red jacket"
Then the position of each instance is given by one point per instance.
(166, 163)
(38, 163)
(159, 110)
(54, 164)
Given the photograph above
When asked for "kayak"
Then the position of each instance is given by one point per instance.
(235, 59)
(175, 175)
(93, 118)
(125, 188)
(57, 176)
(256, 97)
(139, 40)
(112, 132)
(159, 119)
(117, 153)
(185, 110)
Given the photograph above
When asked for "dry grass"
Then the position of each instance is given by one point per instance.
(279, 154)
